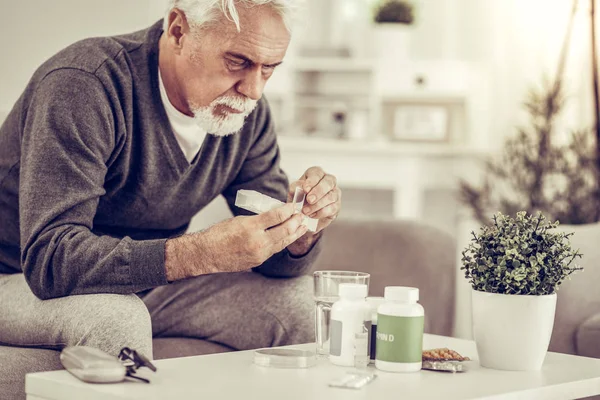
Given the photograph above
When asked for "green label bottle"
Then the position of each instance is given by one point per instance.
(400, 324)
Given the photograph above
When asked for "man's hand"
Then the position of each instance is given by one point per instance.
(323, 202)
(236, 244)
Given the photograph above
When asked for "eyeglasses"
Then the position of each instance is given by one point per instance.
(132, 361)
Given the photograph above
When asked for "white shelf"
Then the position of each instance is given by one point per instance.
(383, 147)
(316, 101)
(425, 96)
(319, 64)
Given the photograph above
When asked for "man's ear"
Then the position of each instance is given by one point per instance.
(177, 29)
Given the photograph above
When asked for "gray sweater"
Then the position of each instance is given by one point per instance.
(93, 181)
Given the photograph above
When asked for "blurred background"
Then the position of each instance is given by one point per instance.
(404, 101)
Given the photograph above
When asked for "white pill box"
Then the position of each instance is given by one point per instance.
(258, 203)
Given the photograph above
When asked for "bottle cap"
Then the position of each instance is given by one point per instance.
(402, 293)
(353, 290)
(375, 302)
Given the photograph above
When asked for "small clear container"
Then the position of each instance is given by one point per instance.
(298, 199)
(285, 358)
(361, 349)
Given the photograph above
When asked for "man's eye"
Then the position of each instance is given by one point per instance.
(237, 63)
(267, 70)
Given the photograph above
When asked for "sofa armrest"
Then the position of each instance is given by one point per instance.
(398, 253)
(587, 339)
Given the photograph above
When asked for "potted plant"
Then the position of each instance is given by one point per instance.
(515, 267)
(393, 29)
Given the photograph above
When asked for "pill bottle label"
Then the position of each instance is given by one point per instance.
(335, 337)
(367, 328)
(399, 339)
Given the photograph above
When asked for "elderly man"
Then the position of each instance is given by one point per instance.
(112, 148)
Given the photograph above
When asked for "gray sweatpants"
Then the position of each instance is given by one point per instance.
(241, 310)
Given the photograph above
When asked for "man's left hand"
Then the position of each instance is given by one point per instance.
(323, 202)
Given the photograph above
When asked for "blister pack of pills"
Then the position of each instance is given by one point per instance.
(353, 380)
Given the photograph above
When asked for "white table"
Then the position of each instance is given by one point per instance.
(234, 376)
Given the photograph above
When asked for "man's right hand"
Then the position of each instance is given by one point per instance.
(236, 244)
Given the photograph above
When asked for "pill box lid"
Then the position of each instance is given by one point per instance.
(285, 358)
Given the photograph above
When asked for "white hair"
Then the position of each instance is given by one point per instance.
(202, 12)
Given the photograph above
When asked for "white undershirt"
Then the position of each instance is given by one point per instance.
(188, 134)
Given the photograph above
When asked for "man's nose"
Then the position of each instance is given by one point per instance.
(252, 84)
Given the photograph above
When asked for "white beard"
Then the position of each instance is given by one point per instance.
(228, 123)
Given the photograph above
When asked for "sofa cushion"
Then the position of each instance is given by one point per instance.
(578, 298)
(184, 347)
(587, 338)
(398, 253)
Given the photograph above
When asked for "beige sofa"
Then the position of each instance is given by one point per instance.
(577, 323)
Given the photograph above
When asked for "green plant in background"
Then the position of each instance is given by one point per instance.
(536, 174)
(521, 256)
(394, 11)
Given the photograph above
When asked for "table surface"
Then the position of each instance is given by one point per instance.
(234, 376)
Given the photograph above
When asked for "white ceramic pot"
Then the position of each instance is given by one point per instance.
(393, 42)
(512, 332)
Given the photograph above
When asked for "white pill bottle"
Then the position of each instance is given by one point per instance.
(400, 324)
(350, 315)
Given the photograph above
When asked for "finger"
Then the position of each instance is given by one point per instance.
(331, 211)
(285, 229)
(285, 242)
(326, 185)
(275, 216)
(312, 177)
(328, 199)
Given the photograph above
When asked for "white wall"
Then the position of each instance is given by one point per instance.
(33, 30)
(513, 44)
(519, 42)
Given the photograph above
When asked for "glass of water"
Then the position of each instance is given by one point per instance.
(326, 285)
